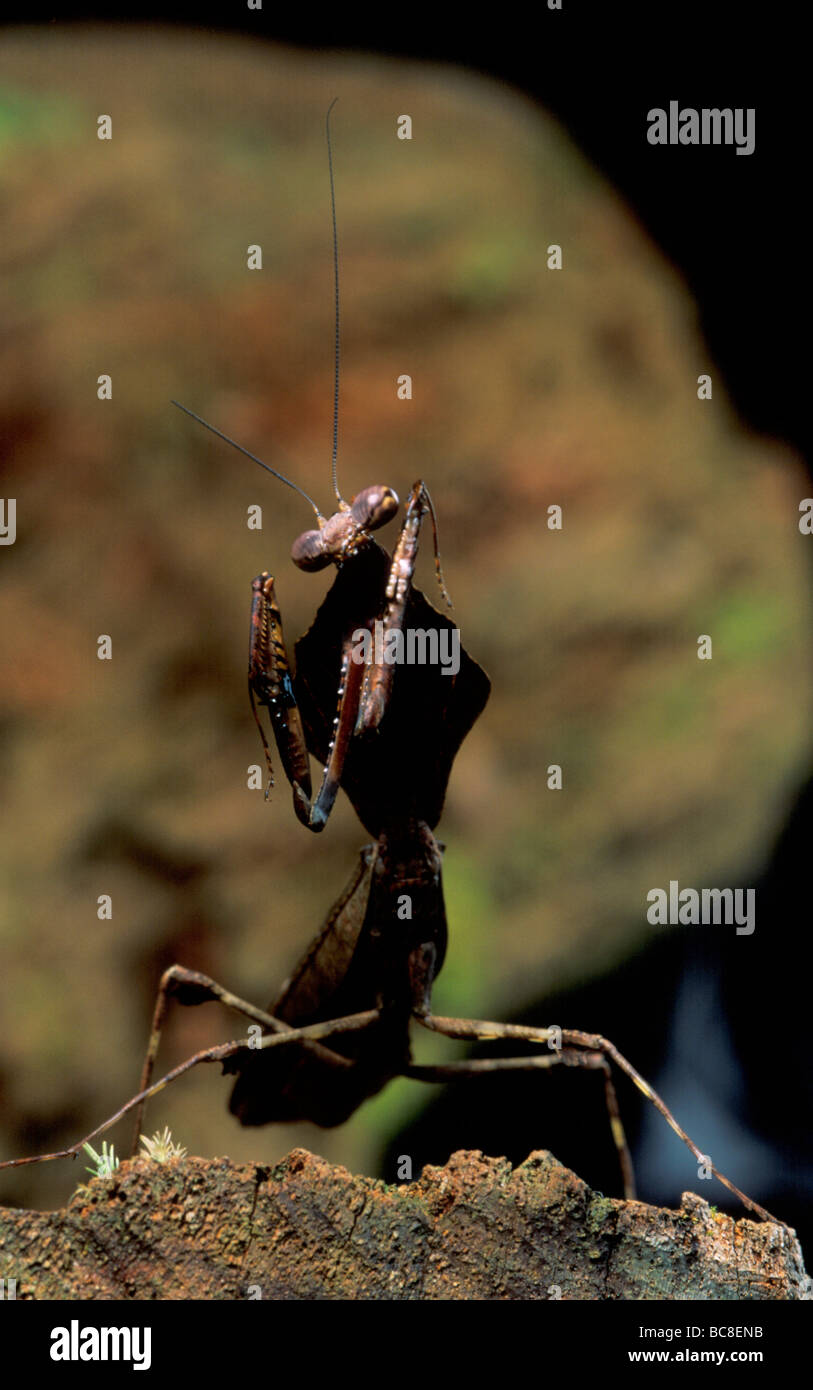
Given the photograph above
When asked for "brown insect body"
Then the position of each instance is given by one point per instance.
(385, 938)
(400, 771)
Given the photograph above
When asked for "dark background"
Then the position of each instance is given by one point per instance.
(599, 67)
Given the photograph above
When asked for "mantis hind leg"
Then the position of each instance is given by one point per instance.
(572, 1041)
(223, 1052)
(489, 1066)
(190, 988)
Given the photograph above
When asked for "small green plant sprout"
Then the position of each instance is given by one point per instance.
(105, 1163)
(161, 1147)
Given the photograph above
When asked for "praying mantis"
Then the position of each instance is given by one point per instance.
(387, 734)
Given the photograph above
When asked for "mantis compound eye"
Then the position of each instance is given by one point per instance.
(374, 506)
(308, 551)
